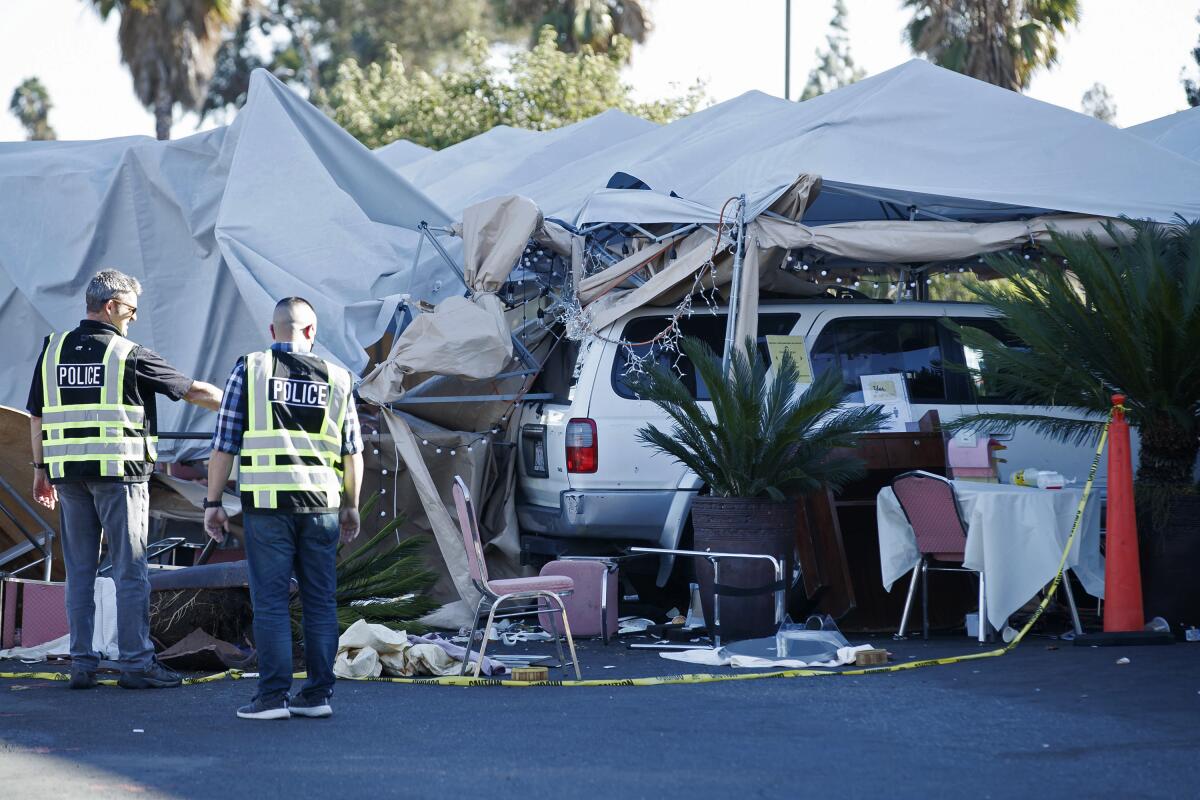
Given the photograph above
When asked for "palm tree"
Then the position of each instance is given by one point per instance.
(578, 23)
(31, 105)
(1003, 42)
(170, 48)
(765, 438)
(1097, 321)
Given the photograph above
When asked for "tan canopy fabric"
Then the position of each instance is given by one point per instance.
(900, 241)
(608, 308)
(494, 235)
(467, 338)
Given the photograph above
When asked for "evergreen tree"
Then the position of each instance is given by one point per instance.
(1098, 103)
(835, 67)
(1191, 88)
(31, 105)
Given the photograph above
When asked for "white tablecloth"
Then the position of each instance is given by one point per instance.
(1015, 536)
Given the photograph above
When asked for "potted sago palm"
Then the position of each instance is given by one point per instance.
(764, 443)
(1095, 321)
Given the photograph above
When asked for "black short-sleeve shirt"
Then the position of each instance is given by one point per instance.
(154, 376)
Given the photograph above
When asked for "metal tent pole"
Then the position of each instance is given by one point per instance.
(787, 50)
(735, 294)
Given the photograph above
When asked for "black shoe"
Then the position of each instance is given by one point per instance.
(155, 676)
(301, 706)
(268, 709)
(83, 679)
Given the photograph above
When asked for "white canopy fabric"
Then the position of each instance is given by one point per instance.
(917, 136)
(1179, 133)
(493, 163)
(401, 152)
(217, 227)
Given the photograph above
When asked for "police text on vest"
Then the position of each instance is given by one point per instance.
(299, 393)
(80, 376)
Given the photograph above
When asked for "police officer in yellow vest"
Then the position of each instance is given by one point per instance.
(93, 430)
(289, 417)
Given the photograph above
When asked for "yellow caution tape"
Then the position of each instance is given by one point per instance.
(704, 677)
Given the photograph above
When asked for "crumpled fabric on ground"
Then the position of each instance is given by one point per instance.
(721, 658)
(369, 650)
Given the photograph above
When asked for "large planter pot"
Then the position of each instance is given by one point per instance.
(1169, 553)
(741, 525)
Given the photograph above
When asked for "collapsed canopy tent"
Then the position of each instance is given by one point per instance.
(916, 141)
(496, 162)
(401, 152)
(1179, 133)
(218, 227)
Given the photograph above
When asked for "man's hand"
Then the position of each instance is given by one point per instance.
(216, 524)
(348, 519)
(43, 491)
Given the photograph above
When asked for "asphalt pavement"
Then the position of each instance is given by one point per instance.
(1048, 720)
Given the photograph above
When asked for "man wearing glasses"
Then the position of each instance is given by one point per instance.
(93, 430)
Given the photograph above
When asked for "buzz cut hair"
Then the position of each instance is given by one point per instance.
(286, 308)
(106, 285)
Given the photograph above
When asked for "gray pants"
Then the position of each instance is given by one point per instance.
(121, 510)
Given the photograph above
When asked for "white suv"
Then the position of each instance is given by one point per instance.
(586, 485)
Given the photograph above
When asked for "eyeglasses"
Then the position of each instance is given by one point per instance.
(132, 309)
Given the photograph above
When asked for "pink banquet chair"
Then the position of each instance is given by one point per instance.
(931, 507)
(494, 593)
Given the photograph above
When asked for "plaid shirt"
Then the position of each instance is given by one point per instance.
(231, 419)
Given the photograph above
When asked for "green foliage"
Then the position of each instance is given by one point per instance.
(541, 89)
(1003, 42)
(170, 47)
(387, 583)
(31, 105)
(835, 66)
(764, 439)
(1191, 88)
(308, 39)
(1123, 320)
(1098, 102)
(579, 23)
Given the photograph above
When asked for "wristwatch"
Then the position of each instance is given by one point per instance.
(212, 504)
(36, 465)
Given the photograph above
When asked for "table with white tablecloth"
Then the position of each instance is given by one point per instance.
(1015, 537)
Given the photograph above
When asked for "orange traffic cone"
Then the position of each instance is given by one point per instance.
(1123, 619)
(1122, 573)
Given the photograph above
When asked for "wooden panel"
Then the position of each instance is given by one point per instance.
(916, 451)
(823, 561)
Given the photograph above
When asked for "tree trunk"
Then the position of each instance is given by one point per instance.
(163, 108)
(1168, 453)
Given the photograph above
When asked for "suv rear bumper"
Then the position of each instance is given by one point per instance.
(630, 515)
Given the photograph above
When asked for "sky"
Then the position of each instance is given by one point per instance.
(1137, 48)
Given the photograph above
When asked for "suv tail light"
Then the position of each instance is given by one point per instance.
(581, 445)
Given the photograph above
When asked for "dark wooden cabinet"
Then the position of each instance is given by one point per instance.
(837, 538)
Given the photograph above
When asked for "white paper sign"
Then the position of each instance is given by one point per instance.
(891, 392)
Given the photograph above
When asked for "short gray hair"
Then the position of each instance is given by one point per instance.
(107, 284)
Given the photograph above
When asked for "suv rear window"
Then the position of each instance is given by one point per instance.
(709, 328)
(874, 346)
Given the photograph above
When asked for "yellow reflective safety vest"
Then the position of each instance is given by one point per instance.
(94, 423)
(291, 456)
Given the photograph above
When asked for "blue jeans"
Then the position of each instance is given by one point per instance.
(122, 511)
(278, 544)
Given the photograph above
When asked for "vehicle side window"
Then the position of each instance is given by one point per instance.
(857, 347)
(982, 378)
(709, 328)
